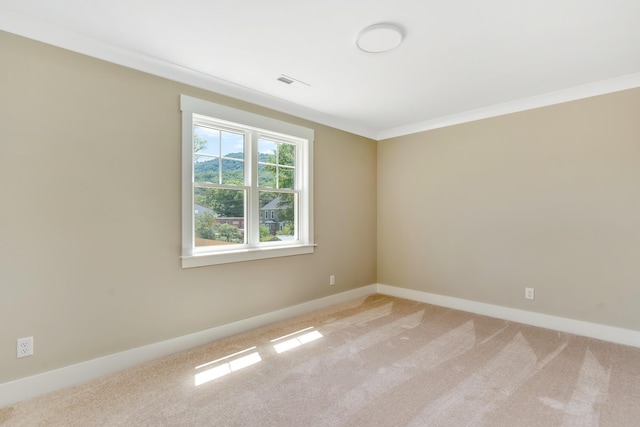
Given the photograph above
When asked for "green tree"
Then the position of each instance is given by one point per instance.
(226, 203)
(206, 225)
(264, 233)
(198, 143)
(281, 167)
(229, 233)
(287, 230)
(209, 170)
(283, 170)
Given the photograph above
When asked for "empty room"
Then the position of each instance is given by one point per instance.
(361, 213)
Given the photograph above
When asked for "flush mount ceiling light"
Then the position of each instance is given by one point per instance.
(379, 38)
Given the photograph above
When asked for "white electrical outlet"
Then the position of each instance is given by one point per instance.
(529, 293)
(25, 347)
(332, 280)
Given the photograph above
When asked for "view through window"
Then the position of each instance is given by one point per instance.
(249, 188)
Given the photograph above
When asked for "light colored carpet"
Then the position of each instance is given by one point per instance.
(375, 361)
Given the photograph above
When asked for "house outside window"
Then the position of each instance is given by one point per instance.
(237, 165)
(276, 213)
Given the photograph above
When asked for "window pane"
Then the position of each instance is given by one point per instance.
(206, 140)
(205, 169)
(232, 172)
(266, 176)
(277, 217)
(286, 178)
(267, 150)
(229, 203)
(219, 217)
(232, 145)
(287, 154)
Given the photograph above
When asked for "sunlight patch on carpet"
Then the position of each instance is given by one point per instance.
(226, 365)
(304, 336)
(589, 394)
(481, 392)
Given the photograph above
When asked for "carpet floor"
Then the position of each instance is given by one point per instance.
(374, 361)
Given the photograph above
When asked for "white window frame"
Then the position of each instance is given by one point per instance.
(256, 126)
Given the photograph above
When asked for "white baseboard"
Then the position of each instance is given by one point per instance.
(578, 327)
(37, 385)
(27, 388)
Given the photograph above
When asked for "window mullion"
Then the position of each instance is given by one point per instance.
(301, 182)
(219, 157)
(253, 196)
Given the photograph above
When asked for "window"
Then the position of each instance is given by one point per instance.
(237, 165)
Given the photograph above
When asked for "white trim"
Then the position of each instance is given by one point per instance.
(201, 260)
(572, 94)
(45, 32)
(578, 327)
(57, 36)
(30, 387)
(237, 117)
(199, 111)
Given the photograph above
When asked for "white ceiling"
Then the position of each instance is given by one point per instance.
(461, 60)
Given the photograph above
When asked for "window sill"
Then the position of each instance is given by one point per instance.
(202, 260)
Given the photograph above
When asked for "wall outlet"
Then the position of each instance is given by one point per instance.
(529, 293)
(332, 280)
(25, 347)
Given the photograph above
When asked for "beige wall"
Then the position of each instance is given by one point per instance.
(547, 198)
(90, 215)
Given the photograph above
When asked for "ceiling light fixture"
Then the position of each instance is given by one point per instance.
(380, 38)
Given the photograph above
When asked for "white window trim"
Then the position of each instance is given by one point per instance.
(304, 245)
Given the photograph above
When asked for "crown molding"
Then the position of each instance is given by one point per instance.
(28, 27)
(44, 32)
(629, 81)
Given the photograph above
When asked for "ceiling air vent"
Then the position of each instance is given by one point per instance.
(291, 81)
(286, 80)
